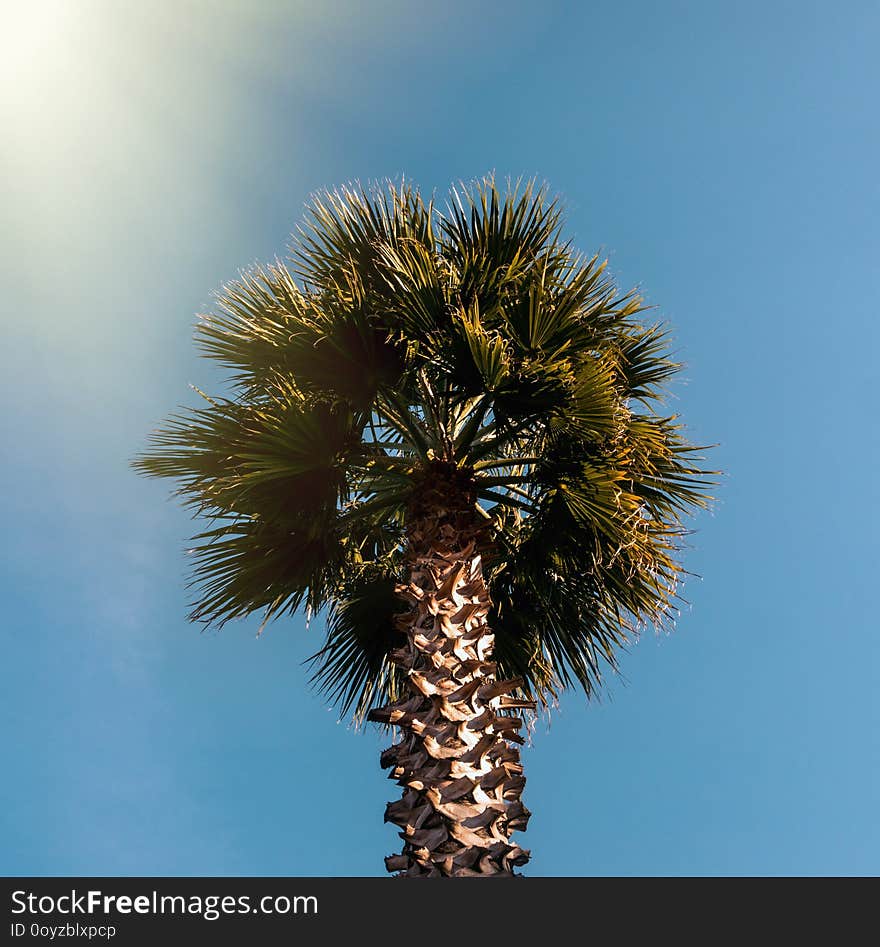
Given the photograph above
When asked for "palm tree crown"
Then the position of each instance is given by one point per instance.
(404, 347)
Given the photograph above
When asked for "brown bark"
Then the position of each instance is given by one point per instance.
(457, 760)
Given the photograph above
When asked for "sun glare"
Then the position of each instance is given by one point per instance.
(31, 41)
(112, 118)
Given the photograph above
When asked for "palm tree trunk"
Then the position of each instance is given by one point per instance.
(457, 760)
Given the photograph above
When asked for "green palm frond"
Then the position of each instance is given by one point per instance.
(269, 332)
(248, 565)
(352, 668)
(400, 336)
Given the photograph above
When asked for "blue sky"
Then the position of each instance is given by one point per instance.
(723, 157)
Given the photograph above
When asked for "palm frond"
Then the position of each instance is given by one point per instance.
(352, 669)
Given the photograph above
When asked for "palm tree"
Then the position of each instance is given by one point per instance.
(442, 428)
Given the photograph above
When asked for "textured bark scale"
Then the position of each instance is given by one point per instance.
(457, 760)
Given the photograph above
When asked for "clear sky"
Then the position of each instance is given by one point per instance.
(724, 156)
